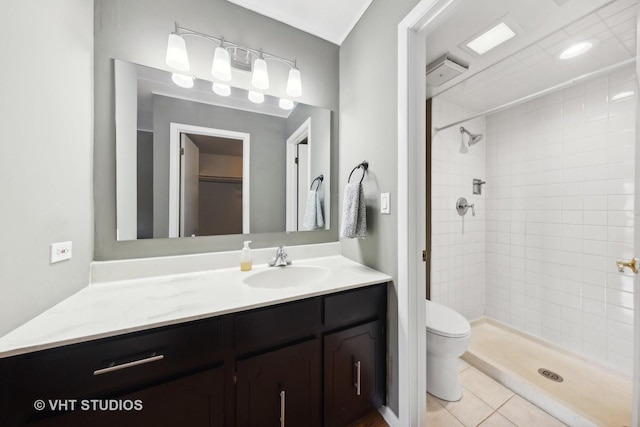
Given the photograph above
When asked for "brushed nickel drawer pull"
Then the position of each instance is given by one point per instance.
(108, 369)
(282, 408)
(357, 384)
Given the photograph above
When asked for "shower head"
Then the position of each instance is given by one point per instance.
(473, 138)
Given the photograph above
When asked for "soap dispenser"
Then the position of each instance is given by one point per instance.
(245, 257)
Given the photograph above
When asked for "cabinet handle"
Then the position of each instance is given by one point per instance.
(108, 369)
(357, 384)
(282, 408)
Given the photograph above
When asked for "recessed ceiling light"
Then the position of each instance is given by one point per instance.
(491, 38)
(577, 49)
(622, 95)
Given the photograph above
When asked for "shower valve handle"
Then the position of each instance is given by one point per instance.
(462, 206)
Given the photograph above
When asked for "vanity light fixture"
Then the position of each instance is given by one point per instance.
(491, 38)
(256, 97)
(577, 49)
(178, 59)
(221, 89)
(182, 80)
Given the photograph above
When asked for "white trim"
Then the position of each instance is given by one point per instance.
(635, 405)
(411, 237)
(175, 129)
(304, 131)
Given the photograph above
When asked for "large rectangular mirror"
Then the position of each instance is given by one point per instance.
(191, 162)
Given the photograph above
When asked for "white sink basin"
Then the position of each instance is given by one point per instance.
(287, 277)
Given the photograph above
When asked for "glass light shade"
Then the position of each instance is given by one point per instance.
(256, 97)
(221, 67)
(294, 84)
(260, 76)
(182, 80)
(221, 89)
(285, 104)
(177, 53)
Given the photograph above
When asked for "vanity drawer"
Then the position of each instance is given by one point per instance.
(272, 326)
(349, 307)
(112, 365)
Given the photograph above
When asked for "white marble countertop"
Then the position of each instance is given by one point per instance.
(118, 307)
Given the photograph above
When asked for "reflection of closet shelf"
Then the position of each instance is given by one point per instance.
(228, 179)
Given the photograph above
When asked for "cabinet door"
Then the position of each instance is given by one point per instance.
(354, 373)
(194, 401)
(280, 388)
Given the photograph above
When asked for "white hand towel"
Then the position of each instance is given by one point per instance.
(354, 212)
(313, 217)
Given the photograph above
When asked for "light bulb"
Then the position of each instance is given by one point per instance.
(177, 53)
(294, 84)
(256, 97)
(260, 76)
(221, 67)
(285, 104)
(221, 89)
(182, 80)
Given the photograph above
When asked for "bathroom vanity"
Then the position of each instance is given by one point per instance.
(312, 360)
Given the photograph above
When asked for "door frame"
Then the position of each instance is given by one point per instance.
(175, 129)
(303, 131)
(412, 216)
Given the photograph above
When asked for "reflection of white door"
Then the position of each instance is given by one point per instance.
(302, 183)
(175, 161)
(189, 199)
(636, 251)
(295, 168)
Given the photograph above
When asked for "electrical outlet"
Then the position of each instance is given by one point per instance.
(61, 251)
(384, 203)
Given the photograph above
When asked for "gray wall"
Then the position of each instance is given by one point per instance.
(369, 131)
(137, 31)
(267, 158)
(45, 166)
(144, 181)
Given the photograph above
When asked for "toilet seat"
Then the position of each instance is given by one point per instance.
(443, 321)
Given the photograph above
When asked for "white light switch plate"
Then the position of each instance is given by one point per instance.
(61, 251)
(384, 203)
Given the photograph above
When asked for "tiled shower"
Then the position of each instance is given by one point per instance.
(554, 216)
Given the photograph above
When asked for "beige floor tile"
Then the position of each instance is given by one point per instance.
(487, 389)
(437, 416)
(497, 420)
(470, 410)
(462, 365)
(525, 414)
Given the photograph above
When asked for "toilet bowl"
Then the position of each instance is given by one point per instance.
(448, 335)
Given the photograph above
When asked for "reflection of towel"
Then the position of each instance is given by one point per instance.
(354, 212)
(313, 217)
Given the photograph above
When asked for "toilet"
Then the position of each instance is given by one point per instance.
(448, 335)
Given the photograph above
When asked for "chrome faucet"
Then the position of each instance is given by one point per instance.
(282, 259)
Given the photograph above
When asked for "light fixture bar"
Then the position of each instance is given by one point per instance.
(182, 31)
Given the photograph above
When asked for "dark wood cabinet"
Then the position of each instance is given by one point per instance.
(354, 381)
(281, 387)
(299, 361)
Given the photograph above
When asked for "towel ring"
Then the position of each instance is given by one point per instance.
(364, 165)
(319, 179)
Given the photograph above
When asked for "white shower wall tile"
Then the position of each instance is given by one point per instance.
(559, 212)
(459, 243)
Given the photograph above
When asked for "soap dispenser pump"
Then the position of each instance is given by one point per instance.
(245, 257)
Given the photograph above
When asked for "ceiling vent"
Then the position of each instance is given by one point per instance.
(444, 69)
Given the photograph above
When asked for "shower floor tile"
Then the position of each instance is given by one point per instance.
(588, 396)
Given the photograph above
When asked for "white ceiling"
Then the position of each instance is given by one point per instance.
(331, 20)
(528, 62)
